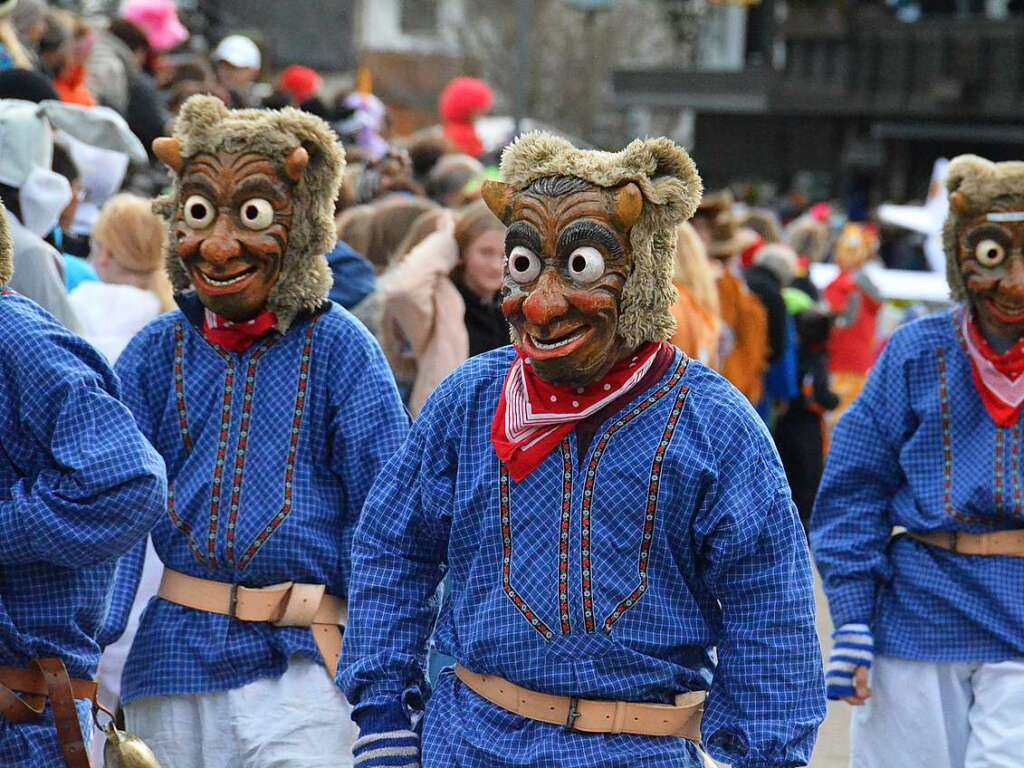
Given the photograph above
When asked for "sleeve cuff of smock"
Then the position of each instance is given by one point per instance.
(854, 603)
(381, 718)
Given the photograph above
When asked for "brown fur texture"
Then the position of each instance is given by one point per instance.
(6, 249)
(983, 186)
(205, 125)
(671, 189)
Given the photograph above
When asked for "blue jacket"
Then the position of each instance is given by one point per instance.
(619, 574)
(918, 450)
(79, 485)
(354, 278)
(270, 454)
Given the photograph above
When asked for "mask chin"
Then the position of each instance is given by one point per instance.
(571, 371)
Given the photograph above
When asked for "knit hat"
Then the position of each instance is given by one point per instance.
(976, 186)
(670, 188)
(6, 249)
(301, 83)
(205, 125)
(159, 20)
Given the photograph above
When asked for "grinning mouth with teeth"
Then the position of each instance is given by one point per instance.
(225, 281)
(558, 341)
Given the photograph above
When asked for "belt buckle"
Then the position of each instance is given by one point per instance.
(573, 714)
(233, 602)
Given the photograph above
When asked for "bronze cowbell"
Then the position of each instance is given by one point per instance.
(123, 750)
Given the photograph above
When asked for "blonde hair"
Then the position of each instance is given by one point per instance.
(9, 40)
(474, 220)
(134, 237)
(693, 270)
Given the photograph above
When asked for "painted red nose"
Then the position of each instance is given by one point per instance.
(546, 303)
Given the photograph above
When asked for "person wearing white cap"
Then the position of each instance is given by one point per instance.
(238, 61)
(34, 195)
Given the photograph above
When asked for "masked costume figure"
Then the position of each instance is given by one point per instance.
(855, 302)
(274, 410)
(609, 513)
(933, 446)
(79, 486)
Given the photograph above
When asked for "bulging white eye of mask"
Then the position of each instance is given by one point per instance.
(43, 197)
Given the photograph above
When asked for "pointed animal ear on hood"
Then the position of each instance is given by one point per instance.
(626, 206)
(958, 202)
(168, 151)
(498, 197)
(296, 163)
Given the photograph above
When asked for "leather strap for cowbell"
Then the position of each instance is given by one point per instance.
(48, 679)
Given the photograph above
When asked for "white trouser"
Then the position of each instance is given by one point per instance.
(940, 715)
(298, 719)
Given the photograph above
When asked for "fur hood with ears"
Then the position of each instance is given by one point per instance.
(6, 249)
(205, 125)
(976, 186)
(671, 189)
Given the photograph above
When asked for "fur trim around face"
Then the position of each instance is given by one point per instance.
(976, 186)
(671, 189)
(205, 125)
(6, 249)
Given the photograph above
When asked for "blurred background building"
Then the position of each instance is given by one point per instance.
(852, 99)
(841, 99)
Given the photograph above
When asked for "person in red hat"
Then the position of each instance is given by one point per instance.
(300, 84)
(462, 101)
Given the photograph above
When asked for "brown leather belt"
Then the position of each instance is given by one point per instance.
(48, 679)
(996, 543)
(283, 605)
(591, 715)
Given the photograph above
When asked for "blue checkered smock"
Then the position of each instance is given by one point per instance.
(79, 485)
(611, 575)
(917, 449)
(270, 454)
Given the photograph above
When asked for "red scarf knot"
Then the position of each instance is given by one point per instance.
(997, 377)
(533, 416)
(236, 337)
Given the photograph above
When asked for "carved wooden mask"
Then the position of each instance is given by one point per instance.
(568, 256)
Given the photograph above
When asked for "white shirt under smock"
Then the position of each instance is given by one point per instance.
(111, 314)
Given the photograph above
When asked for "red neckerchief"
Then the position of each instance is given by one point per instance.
(533, 416)
(236, 337)
(996, 377)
